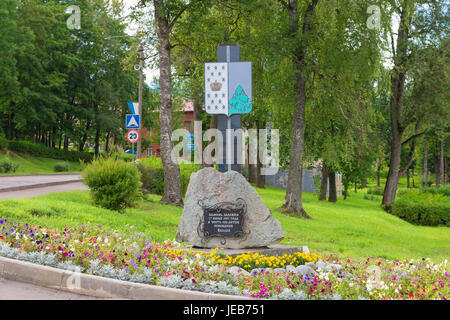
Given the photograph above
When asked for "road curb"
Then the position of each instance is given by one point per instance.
(39, 185)
(95, 286)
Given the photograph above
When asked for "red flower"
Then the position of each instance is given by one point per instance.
(1, 237)
(411, 295)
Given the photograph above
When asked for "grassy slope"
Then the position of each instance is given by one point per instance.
(355, 227)
(29, 165)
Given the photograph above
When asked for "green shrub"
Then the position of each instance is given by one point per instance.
(39, 150)
(378, 191)
(3, 142)
(152, 174)
(423, 208)
(445, 190)
(370, 197)
(8, 166)
(61, 167)
(114, 184)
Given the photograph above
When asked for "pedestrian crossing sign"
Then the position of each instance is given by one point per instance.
(132, 121)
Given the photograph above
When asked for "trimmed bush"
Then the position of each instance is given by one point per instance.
(8, 166)
(152, 174)
(114, 184)
(61, 167)
(423, 208)
(39, 150)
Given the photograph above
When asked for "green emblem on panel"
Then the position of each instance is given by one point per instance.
(239, 103)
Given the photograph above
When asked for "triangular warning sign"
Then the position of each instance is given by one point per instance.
(132, 122)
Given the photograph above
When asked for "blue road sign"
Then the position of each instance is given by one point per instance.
(133, 106)
(190, 142)
(133, 121)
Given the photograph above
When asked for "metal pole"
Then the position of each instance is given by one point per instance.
(141, 65)
(229, 143)
(132, 152)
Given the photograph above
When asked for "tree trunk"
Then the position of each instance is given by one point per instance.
(260, 179)
(396, 104)
(408, 185)
(85, 135)
(437, 171)
(107, 141)
(97, 142)
(447, 175)
(324, 183)
(252, 173)
(332, 194)
(364, 182)
(293, 200)
(172, 187)
(425, 164)
(66, 142)
(11, 126)
(441, 166)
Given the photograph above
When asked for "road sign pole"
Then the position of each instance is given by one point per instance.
(132, 152)
(229, 53)
(229, 143)
(141, 66)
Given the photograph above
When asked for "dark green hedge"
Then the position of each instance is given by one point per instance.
(423, 208)
(152, 174)
(39, 150)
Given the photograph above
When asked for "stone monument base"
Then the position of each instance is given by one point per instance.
(271, 250)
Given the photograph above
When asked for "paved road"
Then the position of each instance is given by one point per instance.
(34, 192)
(13, 290)
(26, 186)
(8, 182)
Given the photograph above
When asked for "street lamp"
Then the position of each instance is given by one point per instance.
(140, 69)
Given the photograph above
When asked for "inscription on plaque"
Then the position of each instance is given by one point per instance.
(223, 222)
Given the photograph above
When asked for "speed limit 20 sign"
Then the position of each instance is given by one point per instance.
(133, 136)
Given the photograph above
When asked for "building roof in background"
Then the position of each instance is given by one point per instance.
(188, 106)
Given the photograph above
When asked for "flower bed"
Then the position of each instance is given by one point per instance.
(95, 250)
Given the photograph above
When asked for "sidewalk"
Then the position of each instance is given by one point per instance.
(26, 186)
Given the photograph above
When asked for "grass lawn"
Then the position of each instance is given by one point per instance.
(30, 165)
(355, 227)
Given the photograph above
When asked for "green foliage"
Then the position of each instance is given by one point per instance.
(114, 184)
(39, 150)
(7, 166)
(370, 197)
(61, 167)
(423, 208)
(444, 190)
(378, 191)
(3, 142)
(152, 174)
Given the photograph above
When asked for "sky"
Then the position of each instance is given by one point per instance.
(150, 73)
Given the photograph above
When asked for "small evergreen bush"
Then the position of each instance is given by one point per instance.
(8, 166)
(61, 167)
(152, 174)
(114, 184)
